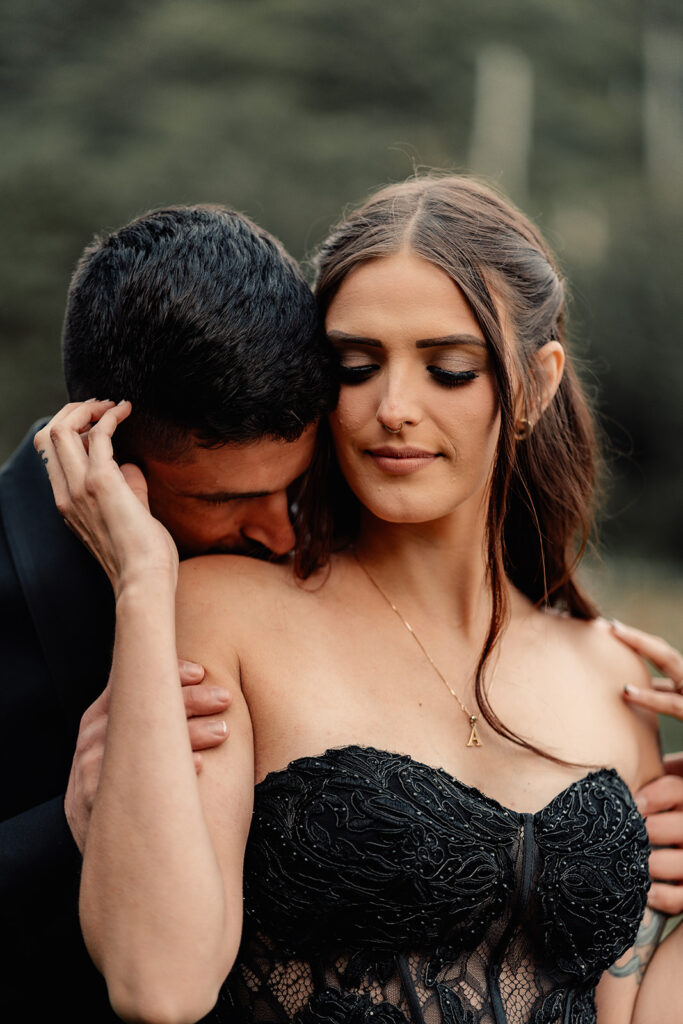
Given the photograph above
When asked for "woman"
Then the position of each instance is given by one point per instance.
(434, 836)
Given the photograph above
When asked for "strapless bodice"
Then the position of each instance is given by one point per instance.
(380, 890)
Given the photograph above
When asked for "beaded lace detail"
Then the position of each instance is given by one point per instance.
(379, 890)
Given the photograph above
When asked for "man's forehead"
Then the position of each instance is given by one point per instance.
(236, 470)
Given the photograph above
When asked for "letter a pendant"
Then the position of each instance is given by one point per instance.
(474, 740)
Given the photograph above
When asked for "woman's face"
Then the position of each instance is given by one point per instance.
(417, 422)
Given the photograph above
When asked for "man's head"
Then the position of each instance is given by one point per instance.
(206, 325)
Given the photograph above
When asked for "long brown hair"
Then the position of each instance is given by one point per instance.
(540, 512)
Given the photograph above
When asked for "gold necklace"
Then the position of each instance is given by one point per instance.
(473, 740)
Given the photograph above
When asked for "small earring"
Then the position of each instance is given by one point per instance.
(523, 428)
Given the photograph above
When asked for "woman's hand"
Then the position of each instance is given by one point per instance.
(105, 506)
(661, 801)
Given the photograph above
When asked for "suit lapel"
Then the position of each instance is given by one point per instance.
(67, 593)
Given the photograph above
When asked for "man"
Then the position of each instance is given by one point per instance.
(203, 321)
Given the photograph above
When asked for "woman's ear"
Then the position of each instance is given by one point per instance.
(550, 358)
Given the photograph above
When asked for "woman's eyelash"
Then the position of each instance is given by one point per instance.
(449, 378)
(452, 378)
(356, 374)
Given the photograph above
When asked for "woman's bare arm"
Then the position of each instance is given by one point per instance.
(161, 885)
(161, 905)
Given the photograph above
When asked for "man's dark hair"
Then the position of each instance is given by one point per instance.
(203, 321)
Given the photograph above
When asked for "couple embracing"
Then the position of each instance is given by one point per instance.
(423, 810)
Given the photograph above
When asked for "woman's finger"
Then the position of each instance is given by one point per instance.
(77, 415)
(74, 416)
(666, 658)
(667, 703)
(84, 469)
(99, 438)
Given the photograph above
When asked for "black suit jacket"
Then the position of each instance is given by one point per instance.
(56, 634)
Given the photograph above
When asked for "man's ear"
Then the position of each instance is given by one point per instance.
(550, 358)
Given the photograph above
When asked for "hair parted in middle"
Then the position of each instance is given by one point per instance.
(540, 512)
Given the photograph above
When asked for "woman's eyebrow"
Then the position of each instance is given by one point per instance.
(446, 339)
(353, 338)
(451, 339)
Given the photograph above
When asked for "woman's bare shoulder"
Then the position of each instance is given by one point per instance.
(233, 574)
(604, 656)
(239, 588)
(608, 666)
(226, 603)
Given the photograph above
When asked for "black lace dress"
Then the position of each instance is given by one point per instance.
(379, 890)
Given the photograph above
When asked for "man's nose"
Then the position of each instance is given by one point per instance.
(268, 523)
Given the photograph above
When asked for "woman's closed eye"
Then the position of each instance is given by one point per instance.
(452, 378)
(356, 373)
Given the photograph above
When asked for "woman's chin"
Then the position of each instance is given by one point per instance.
(408, 514)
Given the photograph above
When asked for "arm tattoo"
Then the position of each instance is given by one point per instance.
(636, 959)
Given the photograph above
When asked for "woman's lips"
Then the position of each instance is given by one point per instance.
(400, 461)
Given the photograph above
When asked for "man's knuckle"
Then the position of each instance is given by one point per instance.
(64, 506)
(95, 482)
(91, 760)
(57, 432)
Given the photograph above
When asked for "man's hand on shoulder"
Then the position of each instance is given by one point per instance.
(661, 801)
(202, 702)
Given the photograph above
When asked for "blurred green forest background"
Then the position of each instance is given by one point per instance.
(290, 111)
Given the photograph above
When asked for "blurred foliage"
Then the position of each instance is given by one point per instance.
(291, 110)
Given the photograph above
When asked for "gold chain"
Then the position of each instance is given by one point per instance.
(473, 740)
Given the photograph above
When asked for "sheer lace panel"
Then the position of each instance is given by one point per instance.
(379, 890)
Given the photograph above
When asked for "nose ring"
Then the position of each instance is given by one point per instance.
(392, 430)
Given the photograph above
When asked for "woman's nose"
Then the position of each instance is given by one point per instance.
(398, 405)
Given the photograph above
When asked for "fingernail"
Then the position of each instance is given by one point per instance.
(617, 626)
(641, 803)
(220, 695)
(219, 728)
(632, 691)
